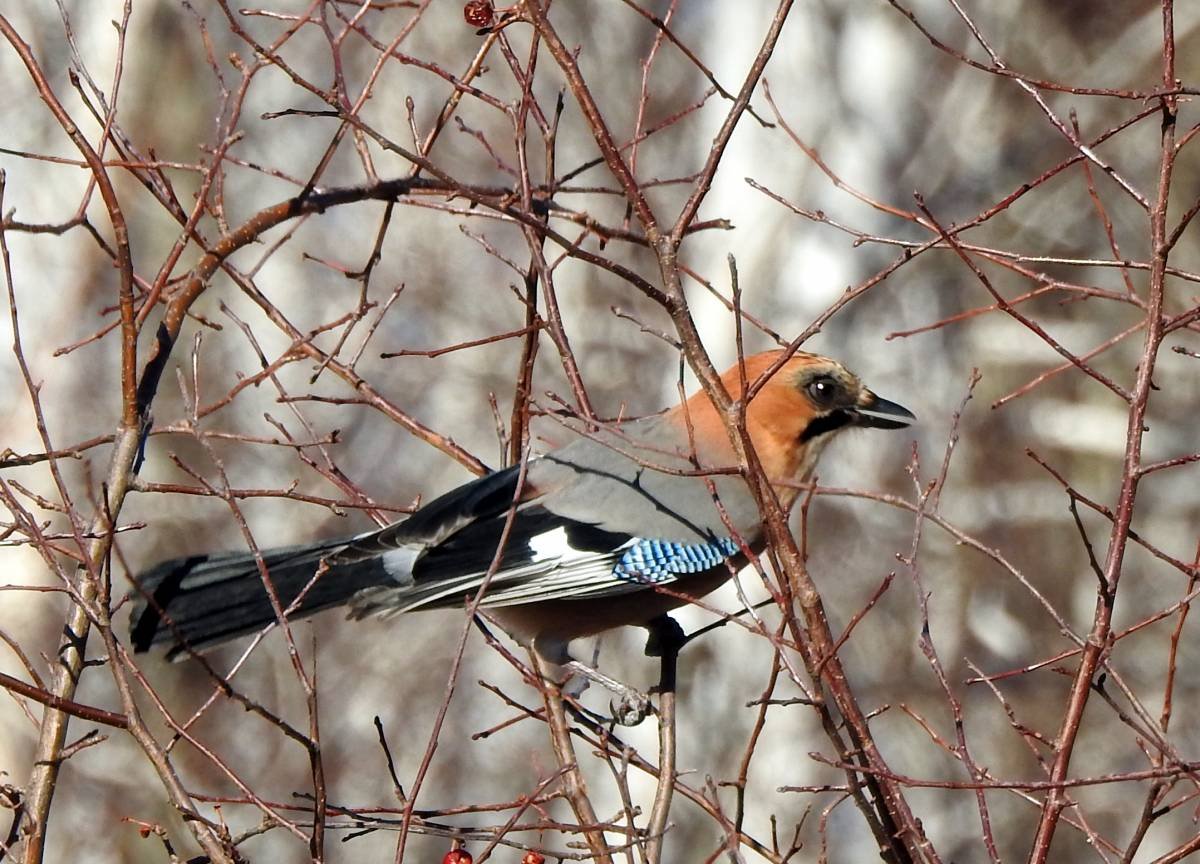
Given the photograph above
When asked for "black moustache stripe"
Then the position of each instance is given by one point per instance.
(830, 422)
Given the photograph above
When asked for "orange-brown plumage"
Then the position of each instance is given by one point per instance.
(777, 417)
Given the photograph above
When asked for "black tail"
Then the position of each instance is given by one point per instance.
(203, 600)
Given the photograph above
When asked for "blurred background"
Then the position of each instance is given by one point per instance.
(890, 115)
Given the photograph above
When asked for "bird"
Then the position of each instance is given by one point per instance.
(575, 542)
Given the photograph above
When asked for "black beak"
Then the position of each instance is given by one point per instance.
(876, 413)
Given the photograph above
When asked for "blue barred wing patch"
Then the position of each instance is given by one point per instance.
(653, 562)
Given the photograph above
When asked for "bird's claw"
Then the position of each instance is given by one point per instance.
(631, 709)
(632, 706)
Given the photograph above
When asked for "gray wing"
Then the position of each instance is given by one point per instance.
(607, 514)
(618, 482)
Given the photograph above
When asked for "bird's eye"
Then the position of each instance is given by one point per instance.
(823, 390)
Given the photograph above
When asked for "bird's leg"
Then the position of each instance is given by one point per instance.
(578, 684)
(665, 636)
(665, 641)
(633, 706)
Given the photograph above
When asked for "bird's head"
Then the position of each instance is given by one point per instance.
(799, 409)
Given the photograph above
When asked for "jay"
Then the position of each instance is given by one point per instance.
(573, 545)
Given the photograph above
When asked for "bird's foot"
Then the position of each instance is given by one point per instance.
(631, 707)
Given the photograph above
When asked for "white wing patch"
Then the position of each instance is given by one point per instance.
(551, 545)
(399, 563)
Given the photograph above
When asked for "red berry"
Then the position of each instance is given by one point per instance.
(533, 858)
(479, 13)
(458, 856)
